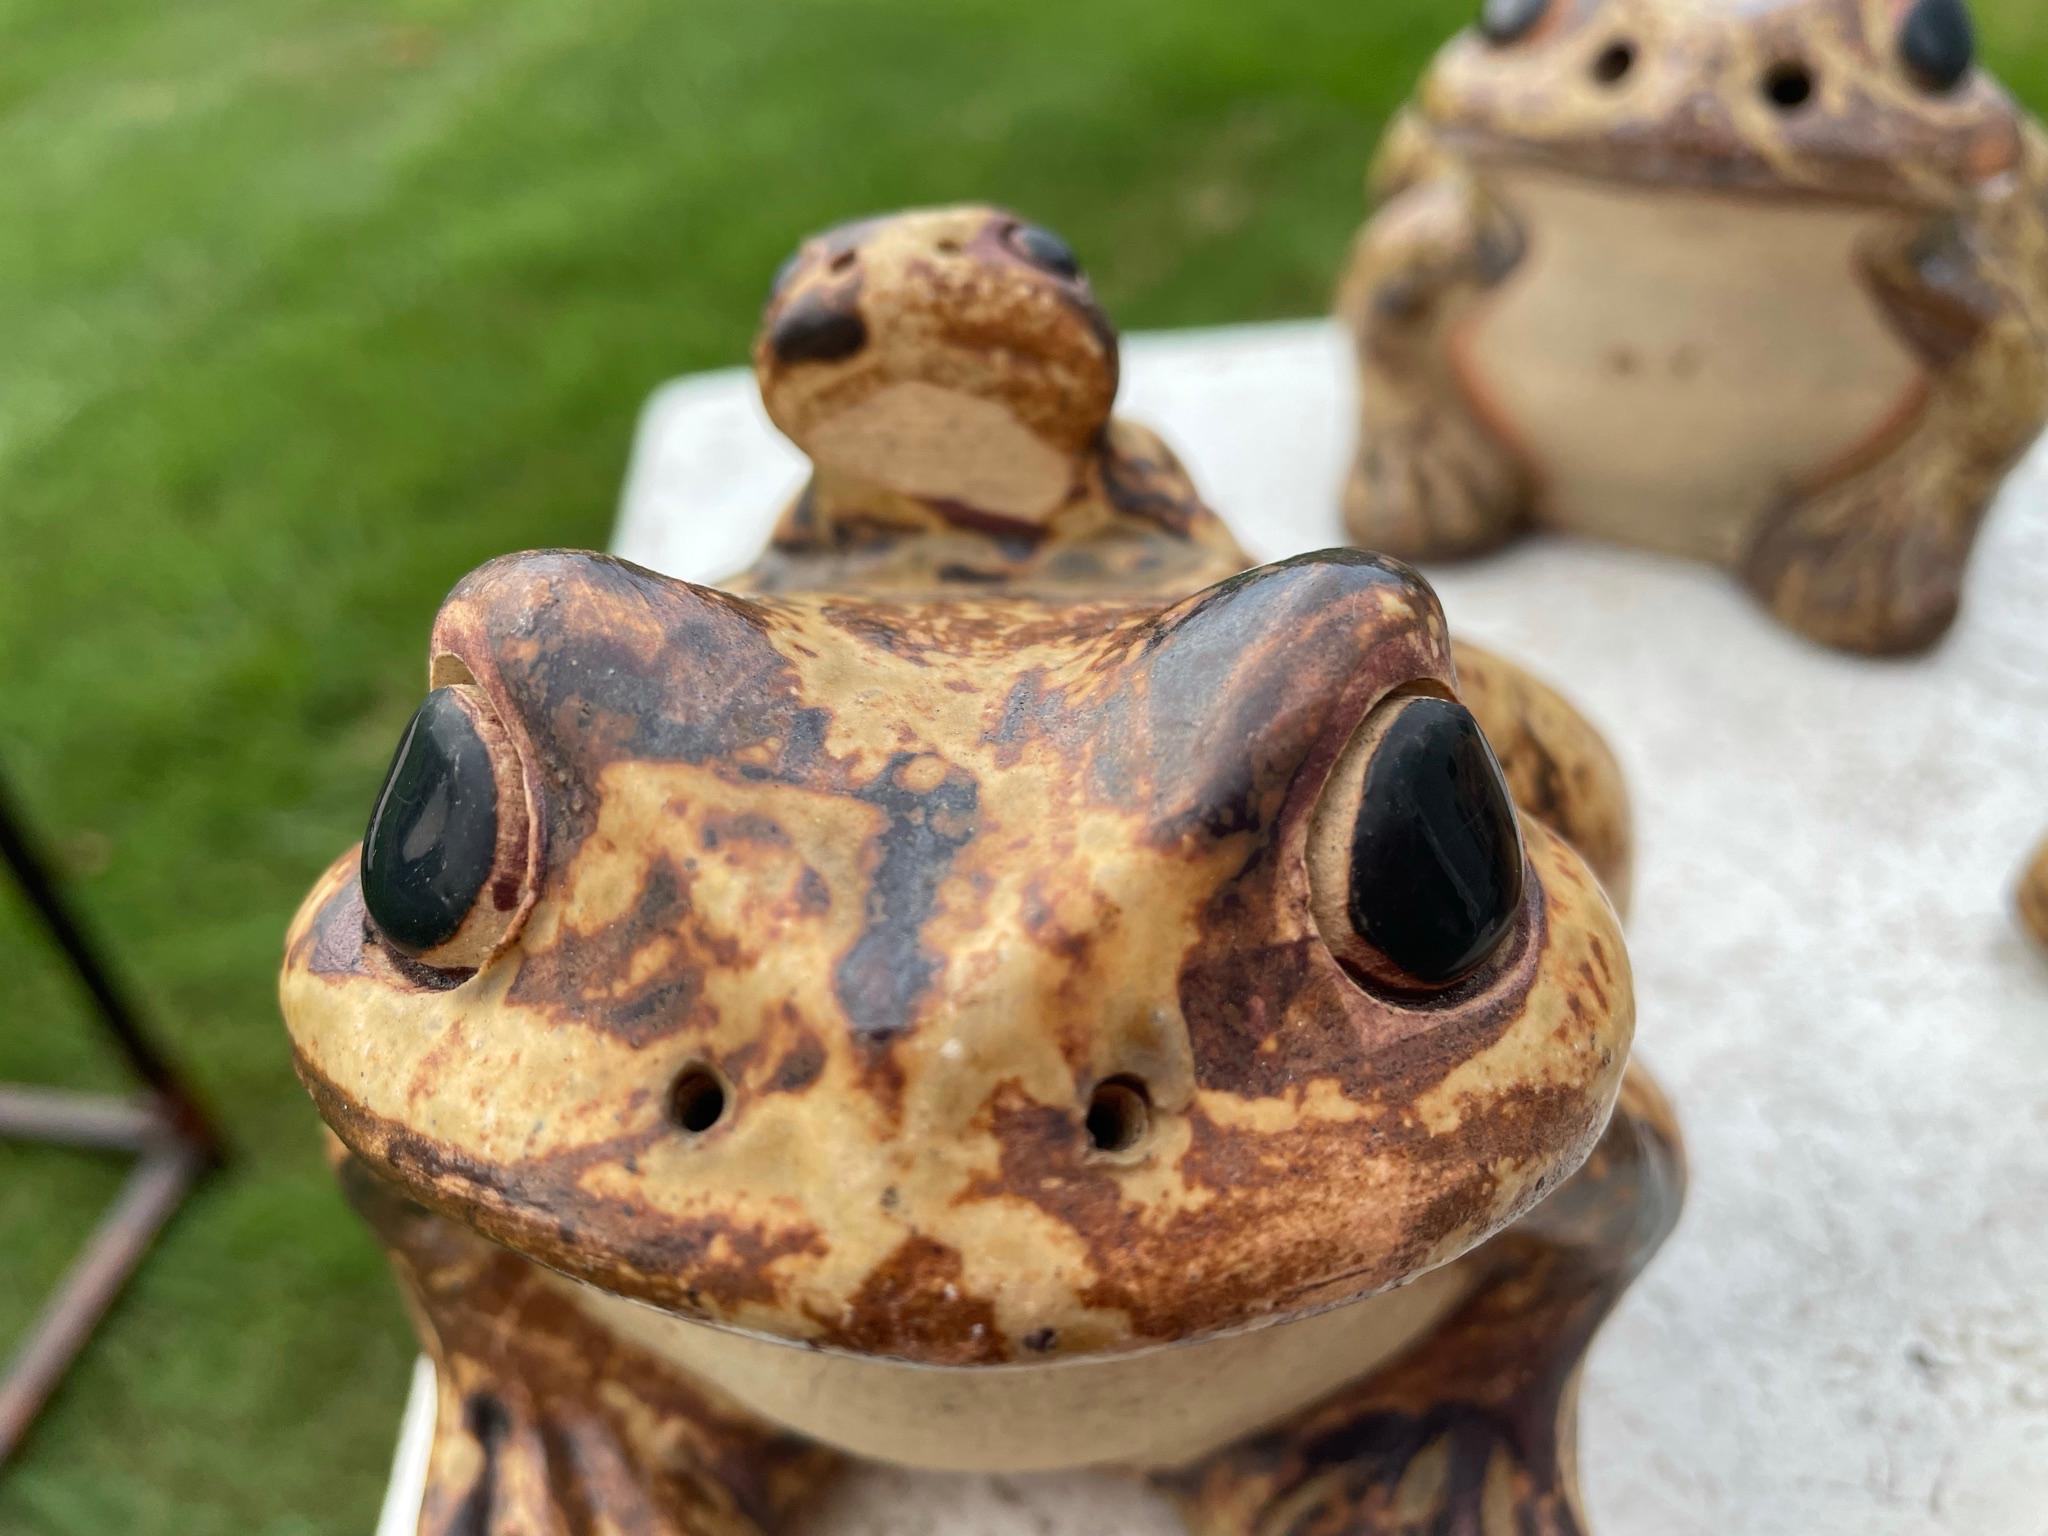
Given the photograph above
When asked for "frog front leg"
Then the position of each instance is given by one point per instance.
(1871, 557)
(1430, 479)
(546, 1422)
(1474, 1429)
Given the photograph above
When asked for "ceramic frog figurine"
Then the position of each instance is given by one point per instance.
(1761, 282)
(997, 985)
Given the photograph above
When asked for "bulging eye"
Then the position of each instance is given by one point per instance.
(1415, 852)
(1939, 43)
(1507, 21)
(1044, 249)
(444, 866)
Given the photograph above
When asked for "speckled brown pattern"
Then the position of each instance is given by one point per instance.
(1892, 303)
(546, 1422)
(1475, 1431)
(988, 786)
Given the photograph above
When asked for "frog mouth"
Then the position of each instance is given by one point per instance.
(1699, 152)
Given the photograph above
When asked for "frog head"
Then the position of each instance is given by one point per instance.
(1862, 100)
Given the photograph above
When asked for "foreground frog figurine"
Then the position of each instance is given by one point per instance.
(997, 986)
(1765, 284)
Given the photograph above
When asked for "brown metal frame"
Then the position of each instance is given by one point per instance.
(163, 1127)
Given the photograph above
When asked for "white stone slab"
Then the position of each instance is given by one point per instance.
(1848, 1336)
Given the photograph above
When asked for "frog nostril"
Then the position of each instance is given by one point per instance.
(1119, 1114)
(697, 1100)
(1616, 62)
(1789, 86)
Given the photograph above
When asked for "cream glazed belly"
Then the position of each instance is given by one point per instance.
(1670, 365)
(1151, 1408)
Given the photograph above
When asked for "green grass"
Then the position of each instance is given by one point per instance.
(309, 307)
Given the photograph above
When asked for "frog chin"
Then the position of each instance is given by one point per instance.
(908, 438)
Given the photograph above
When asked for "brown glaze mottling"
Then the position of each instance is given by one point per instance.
(989, 784)
(1473, 1431)
(1892, 246)
(548, 1423)
(1140, 786)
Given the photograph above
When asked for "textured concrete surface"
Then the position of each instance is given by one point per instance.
(1849, 1332)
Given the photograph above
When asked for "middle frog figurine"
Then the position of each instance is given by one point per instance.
(997, 985)
(1759, 282)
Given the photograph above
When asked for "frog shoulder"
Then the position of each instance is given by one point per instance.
(1410, 155)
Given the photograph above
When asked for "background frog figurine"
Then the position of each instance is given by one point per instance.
(1764, 284)
(1000, 985)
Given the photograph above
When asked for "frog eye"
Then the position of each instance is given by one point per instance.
(1939, 43)
(1044, 249)
(1415, 851)
(1508, 21)
(444, 866)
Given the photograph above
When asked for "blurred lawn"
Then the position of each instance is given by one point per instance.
(309, 307)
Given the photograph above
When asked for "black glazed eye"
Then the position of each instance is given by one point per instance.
(444, 855)
(1416, 851)
(1939, 43)
(1042, 248)
(818, 328)
(1507, 21)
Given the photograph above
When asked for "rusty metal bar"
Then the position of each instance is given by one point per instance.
(153, 1191)
(121, 1021)
(102, 1121)
(166, 1128)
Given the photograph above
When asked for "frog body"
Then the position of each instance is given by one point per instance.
(1761, 285)
(998, 984)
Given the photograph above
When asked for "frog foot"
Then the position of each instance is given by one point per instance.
(1432, 485)
(1475, 1428)
(1874, 564)
(547, 1423)
(1396, 1473)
